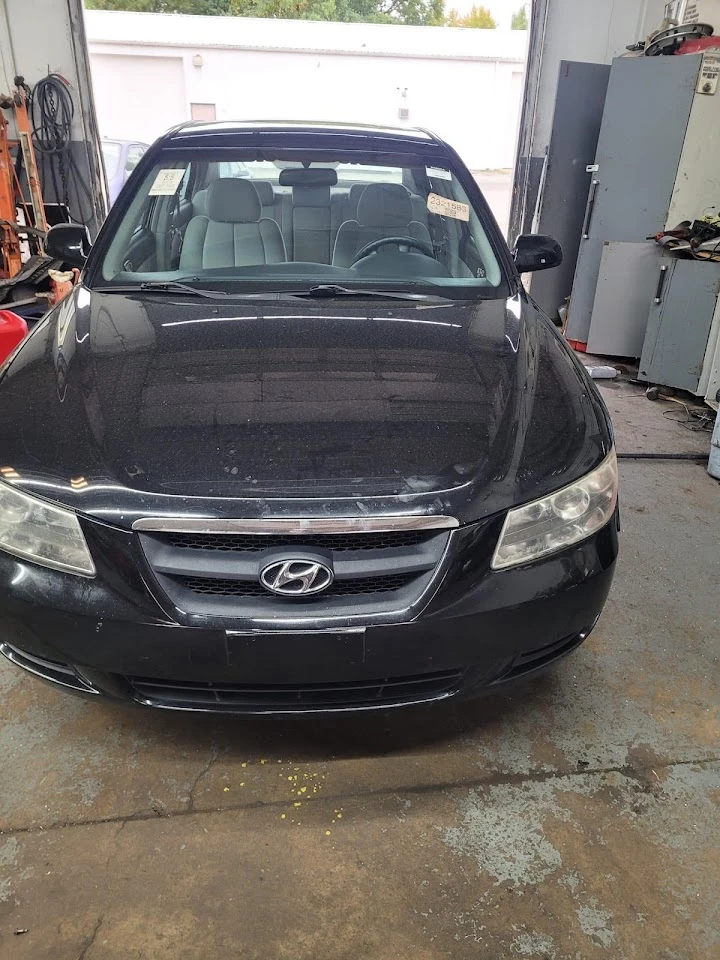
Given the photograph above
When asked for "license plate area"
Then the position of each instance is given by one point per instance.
(289, 656)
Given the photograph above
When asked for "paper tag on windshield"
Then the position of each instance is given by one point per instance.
(166, 183)
(448, 208)
(438, 173)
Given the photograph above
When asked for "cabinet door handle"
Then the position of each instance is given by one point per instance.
(589, 209)
(661, 284)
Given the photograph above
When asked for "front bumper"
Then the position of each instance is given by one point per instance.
(111, 637)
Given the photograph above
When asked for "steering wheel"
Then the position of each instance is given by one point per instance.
(422, 245)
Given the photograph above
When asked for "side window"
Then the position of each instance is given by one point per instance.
(135, 151)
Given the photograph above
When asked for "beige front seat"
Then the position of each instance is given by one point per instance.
(233, 232)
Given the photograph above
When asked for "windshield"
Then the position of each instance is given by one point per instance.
(244, 223)
(111, 157)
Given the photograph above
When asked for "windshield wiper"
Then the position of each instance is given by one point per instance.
(177, 286)
(321, 291)
(330, 290)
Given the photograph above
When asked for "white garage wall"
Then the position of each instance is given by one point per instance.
(137, 97)
(465, 85)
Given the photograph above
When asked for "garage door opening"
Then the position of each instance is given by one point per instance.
(465, 85)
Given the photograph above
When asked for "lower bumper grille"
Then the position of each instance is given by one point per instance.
(228, 697)
(52, 670)
(537, 659)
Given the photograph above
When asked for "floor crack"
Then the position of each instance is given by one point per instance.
(113, 853)
(215, 753)
(468, 783)
(91, 939)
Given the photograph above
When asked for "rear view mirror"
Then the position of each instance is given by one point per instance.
(69, 242)
(534, 251)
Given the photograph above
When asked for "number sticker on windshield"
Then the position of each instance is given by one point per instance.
(166, 183)
(438, 173)
(448, 208)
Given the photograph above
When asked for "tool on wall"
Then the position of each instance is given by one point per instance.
(30, 281)
(10, 255)
(12, 197)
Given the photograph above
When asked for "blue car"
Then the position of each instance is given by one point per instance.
(120, 158)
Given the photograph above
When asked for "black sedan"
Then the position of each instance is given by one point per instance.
(299, 440)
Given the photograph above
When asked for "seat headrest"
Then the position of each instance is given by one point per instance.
(265, 192)
(356, 191)
(231, 200)
(384, 205)
(199, 202)
(305, 177)
(311, 196)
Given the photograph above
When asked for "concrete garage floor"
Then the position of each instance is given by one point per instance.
(576, 817)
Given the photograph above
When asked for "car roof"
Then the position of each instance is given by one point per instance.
(277, 133)
(297, 126)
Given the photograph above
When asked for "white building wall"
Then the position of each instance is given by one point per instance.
(457, 86)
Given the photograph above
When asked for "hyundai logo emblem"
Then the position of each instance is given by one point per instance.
(296, 578)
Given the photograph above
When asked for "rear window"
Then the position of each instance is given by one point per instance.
(252, 222)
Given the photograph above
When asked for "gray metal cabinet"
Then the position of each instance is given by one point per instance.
(579, 105)
(679, 323)
(628, 272)
(648, 105)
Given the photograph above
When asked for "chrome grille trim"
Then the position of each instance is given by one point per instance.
(294, 527)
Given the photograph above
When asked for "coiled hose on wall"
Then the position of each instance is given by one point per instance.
(51, 112)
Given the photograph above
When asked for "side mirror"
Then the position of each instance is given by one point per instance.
(533, 251)
(69, 242)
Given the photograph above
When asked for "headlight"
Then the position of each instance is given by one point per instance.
(559, 520)
(46, 535)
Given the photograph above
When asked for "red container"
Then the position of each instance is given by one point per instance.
(13, 330)
(698, 46)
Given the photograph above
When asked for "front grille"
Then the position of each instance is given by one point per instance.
(218, 575)
(337, 542)
(249, 588)
(239, 697)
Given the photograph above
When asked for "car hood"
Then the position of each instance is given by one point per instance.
(130, 405)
